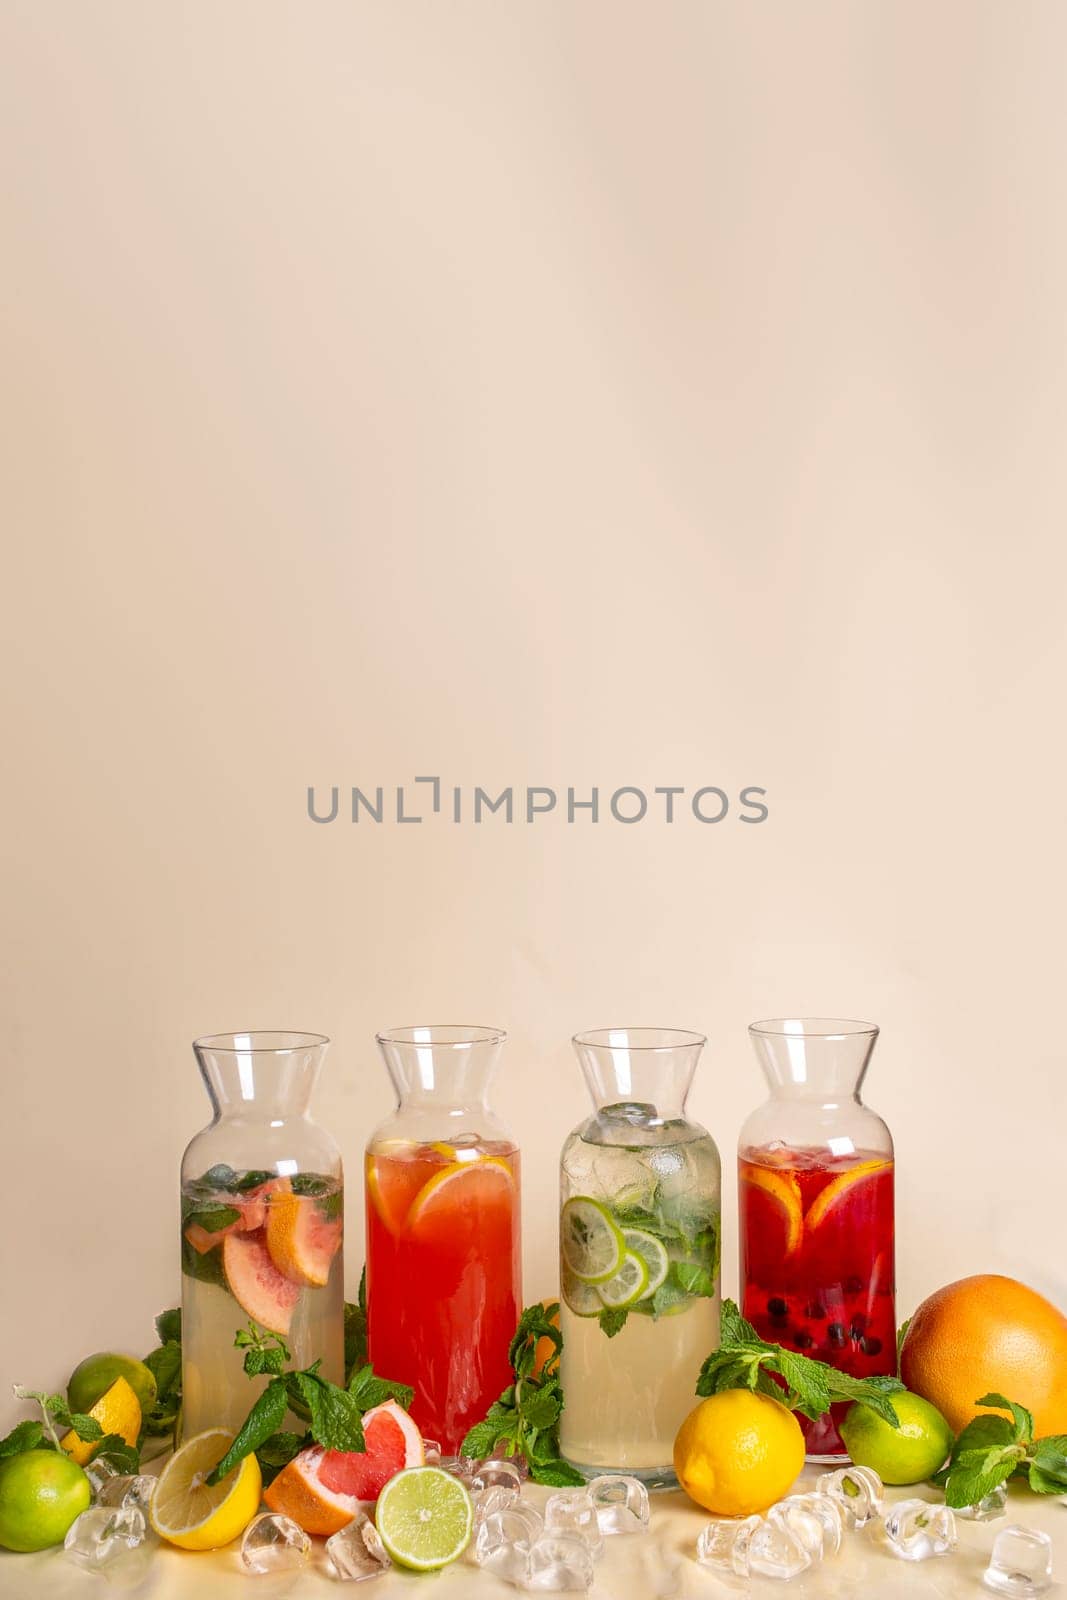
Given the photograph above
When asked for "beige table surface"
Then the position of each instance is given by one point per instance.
(658, 1565)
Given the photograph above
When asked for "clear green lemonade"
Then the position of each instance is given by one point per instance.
(641, 1203)
(259, 1246)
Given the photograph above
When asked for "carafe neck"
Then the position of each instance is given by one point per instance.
(264, 1075)
(822, 1060)
(639, 1075)
(448, 1068)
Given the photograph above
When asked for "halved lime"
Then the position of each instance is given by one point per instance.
(630, 1283)
(652, 1252)
(424, 1518)
(591, 1244)
(582, 1298)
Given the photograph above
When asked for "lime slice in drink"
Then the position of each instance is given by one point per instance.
(652, 1253)
(424, 1518)
(592, 1245)
(582, 1298)
(630, 1283)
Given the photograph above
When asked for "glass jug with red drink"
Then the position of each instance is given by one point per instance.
(815, 1182)
(443, 1245)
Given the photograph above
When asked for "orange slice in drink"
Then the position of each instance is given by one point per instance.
(464, 1192)
(301, 1240)
(841, 1191)
(396, 1173)
(773, 1205)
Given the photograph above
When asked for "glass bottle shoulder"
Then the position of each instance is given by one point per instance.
(472, 1128)
(630, 1167)
(295, 1145)
(841, 1127)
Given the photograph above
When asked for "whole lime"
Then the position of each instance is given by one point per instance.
(94, 1376)
(41, 1493)
(908, 1454)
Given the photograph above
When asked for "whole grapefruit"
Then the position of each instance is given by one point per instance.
(983, 1335)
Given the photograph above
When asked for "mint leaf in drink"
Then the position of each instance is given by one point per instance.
(612, 1320)
(205, 1268)
(1022, 1419)
(265, 1418)
(336, 1418)
(169, 1326)
(249, 1180)
(368, 1390)
(212, 1218)
(220, 1176)
(23, 1436)
(691, 1278)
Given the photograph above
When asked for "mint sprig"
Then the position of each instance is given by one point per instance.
(745, 1361)
(992, 1448)
(525, 1420)
(56, 1414)
(689, 1230)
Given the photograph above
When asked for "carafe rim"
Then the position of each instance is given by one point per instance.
(442, 1035)
(260, 1041)
(814, 1028)
(650, 1040)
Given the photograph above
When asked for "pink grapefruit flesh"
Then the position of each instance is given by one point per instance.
(255, 1282)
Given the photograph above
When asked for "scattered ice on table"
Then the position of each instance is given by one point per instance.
(915, 1530)
(128, 1491)
(857, 1490)
(111, 1540)
(991, 1506)
(357, 1552)
(496, 1498)
(1021, 1563)
(496, 1473)
(574, 1511)
(816, 1520)
(621, 1503)
(774, 1550)
(432, 1452)
(723, 1544)
(461, 1467)
(99, 1473)
(502, 1542)
(273, 1543)
(560, 1562)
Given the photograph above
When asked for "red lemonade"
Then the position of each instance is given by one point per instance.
(817, 1264)
(443, 1274)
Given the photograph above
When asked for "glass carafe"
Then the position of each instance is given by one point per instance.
(815, 1181)
(639, 1254)
(444, 1259)
(262, 1204)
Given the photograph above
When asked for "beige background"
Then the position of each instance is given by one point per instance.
(552, 394)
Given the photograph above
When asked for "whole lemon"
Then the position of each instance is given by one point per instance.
(738, 1452)
(41, 1493)
(907, 1454)
(988, 1335)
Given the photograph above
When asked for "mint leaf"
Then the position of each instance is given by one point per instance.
(277, 1452)
(982, 1433)
(368, 1390)
(733, 1329)
(251, 1180)
(1023, 1420)
(165, 1365)
(977, 1473)
(1048, 1465)
(540, 1407)
(355, 1335)
(557, 1473)
(902, 1334)
(264, 1419)
(612, 1320)
(692, 1279)
(211, 1218)
(23, 1436)
(501, 1422)
(809, 1390)
(123, 1457)
(169, 1326)
(336, 1420)
(204, 1268)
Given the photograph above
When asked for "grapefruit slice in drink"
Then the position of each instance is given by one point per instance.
(302, 1240)
(253, 1214)
(266, 1294)
(323, 1489)
(397, 1171)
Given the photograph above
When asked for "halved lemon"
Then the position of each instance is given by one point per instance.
(840, 1187)
(118, 1410)
(783, 1190)
(186, 1512)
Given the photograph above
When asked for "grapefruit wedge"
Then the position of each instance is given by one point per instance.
(301, 1240)
(253, 1214)
(323, 1489)
(266, 1294)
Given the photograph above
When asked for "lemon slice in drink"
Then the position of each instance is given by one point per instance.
(424, 1518)
(591, 1244)
(187, 1512)
(628, 1285)
(652, 1252)
(582, 1298)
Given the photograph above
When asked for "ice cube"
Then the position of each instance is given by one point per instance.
(621, 1503)
(915, 1530)
(496, 1472)
(99, 1473)
(502, 1542)
(111, 1540)
(574, 1511)
(816, 1520)
(498, 1497)
(273, 1543)
(461, 1467)
(432, 1452)
(723, 1544)
(357, 1552)
(128, 1491)
(991, 1506)
(560, 1561)
(857, 1490)
(1021, 1563)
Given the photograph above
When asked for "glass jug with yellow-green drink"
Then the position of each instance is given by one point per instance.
(640, 1192)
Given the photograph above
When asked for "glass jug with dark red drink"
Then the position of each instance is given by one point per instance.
(815, 1181)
